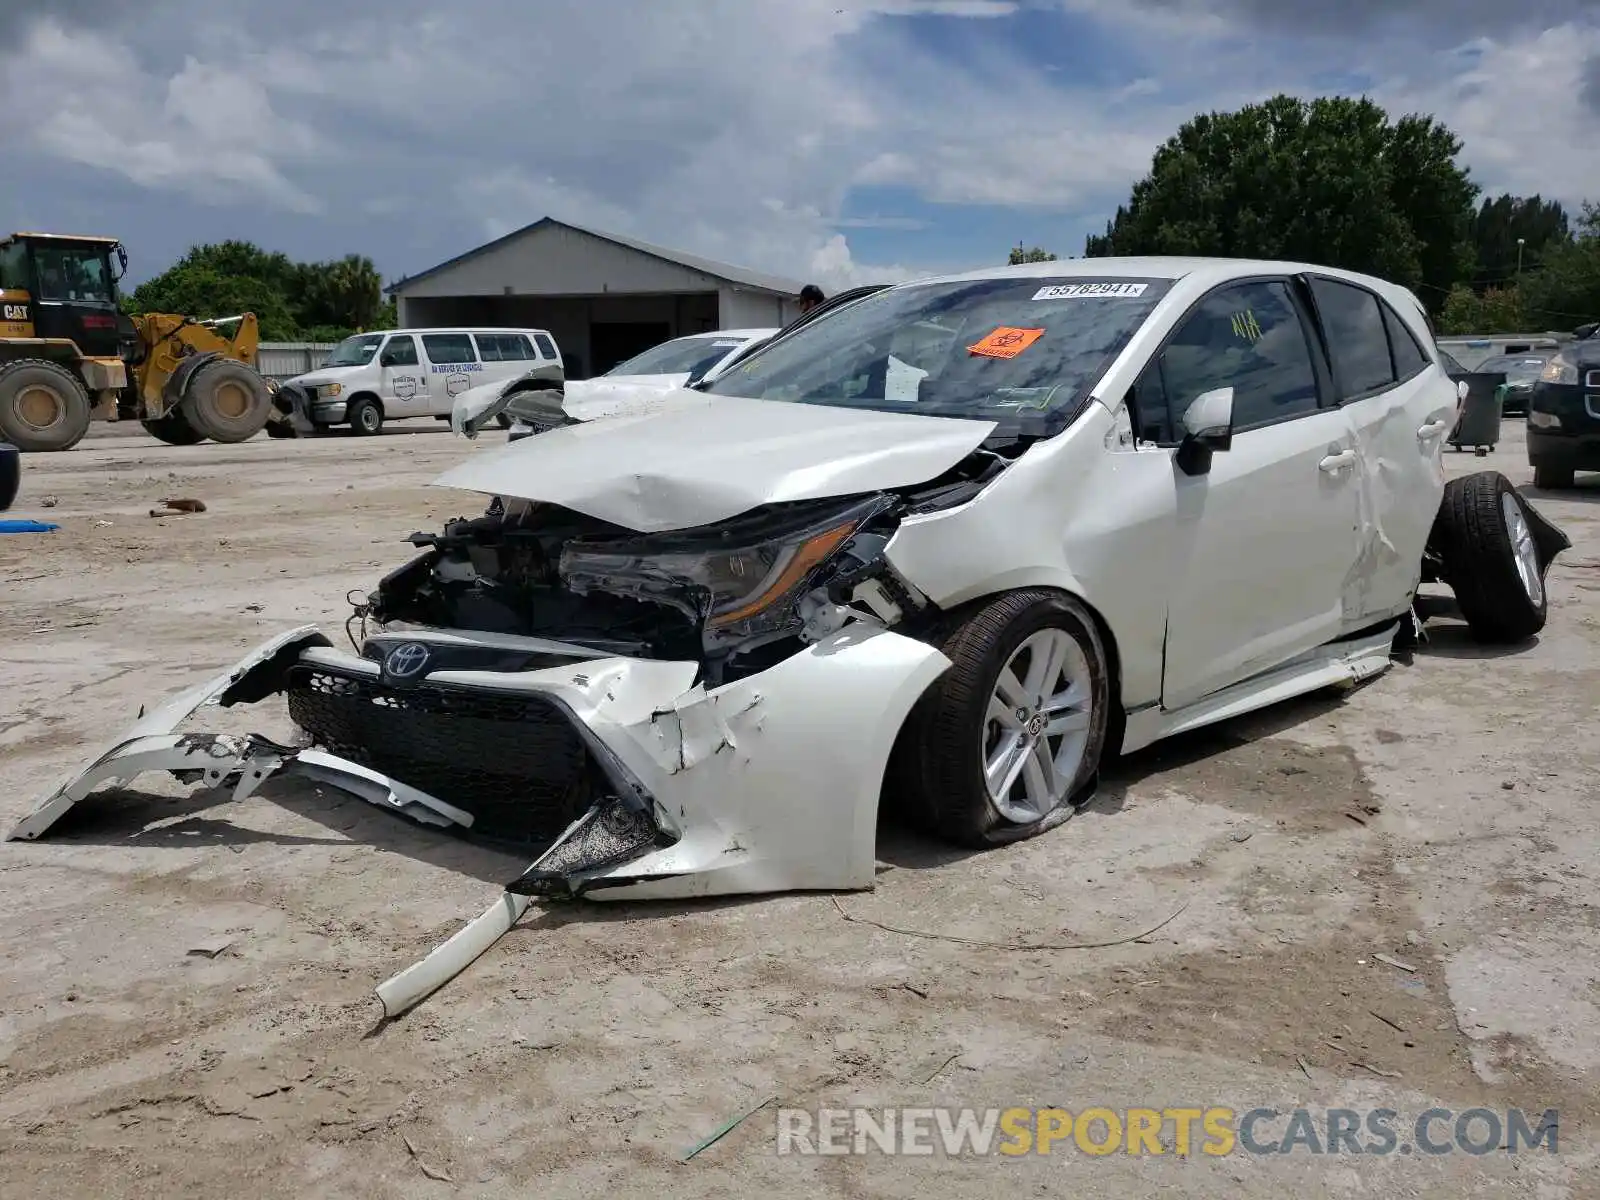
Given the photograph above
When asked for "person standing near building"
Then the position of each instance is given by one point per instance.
(810, 296)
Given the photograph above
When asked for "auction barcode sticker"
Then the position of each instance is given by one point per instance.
(1089, 291)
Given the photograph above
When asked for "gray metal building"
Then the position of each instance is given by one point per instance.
(604, 297)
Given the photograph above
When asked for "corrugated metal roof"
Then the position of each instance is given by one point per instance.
(775, 284)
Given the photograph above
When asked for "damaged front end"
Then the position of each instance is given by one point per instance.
(702, 712)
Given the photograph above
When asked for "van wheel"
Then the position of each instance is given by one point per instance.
(365, 417)
(1552, 478)
(1008, 741)
(1491, 560)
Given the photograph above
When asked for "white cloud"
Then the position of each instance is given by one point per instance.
(733, 128)
(205, 129)
(1515, 105)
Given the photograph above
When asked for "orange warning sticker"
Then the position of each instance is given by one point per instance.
(1006, 342)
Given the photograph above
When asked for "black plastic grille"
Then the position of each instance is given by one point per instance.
(514, 762)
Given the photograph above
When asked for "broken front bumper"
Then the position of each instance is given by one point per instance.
(767, 784)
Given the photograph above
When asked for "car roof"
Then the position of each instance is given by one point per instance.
(1205, 271)
(451, 329)
(747, 334)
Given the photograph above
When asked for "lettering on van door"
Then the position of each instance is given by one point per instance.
(405, 386)
(455, 368)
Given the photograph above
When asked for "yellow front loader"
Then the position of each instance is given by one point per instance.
(69, 356)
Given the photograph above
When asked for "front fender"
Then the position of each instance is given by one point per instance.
(178, 384)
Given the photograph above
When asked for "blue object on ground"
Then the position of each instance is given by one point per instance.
(26, 527)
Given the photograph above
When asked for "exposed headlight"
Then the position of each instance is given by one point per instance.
(329, 389)
(1560, 369)
(1544, 420)
(737, 587)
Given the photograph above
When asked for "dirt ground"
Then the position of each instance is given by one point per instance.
(1444, 816)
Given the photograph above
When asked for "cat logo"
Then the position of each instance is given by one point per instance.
(16, 312)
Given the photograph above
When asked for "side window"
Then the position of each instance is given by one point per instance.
(516, 346)
(400, 352)
(1409, 358)
(1147, 401)
(489, 347)
(1248, 337)
(547, 348)
(445, 348)
(1356, 338)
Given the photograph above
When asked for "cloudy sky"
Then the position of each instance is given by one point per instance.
(834, 140)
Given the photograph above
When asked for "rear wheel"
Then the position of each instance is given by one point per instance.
(1552, 477)
(1004, 744)
(365, 417)
(43, 406)
(1490, 559)
(172, 429)
(226, 401)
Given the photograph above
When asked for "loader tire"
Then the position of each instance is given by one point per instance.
(226, 401)
(43, 406)
(172, 429)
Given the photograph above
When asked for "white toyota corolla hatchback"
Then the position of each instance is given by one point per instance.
(956, 543)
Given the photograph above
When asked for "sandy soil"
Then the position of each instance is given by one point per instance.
(1444, 816)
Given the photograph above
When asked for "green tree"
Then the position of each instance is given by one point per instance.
(1541, 225)
(1565, 291)
(292, 300)
(1497, 310)
(1331, 181)
(1033, 255)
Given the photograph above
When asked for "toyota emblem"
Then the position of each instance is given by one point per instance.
(407, 660)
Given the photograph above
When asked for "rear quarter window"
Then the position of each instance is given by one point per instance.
(547, 348)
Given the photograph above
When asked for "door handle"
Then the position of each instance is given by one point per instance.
(1432, 429)
(1337, 462)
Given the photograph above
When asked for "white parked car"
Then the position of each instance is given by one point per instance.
(627, 387)
(956, 543)
(389, 375)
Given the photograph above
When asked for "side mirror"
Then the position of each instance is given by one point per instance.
(1207, 428)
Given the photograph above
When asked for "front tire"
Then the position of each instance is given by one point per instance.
(227, 402)
(1552, 478)
(1002, 747)
(365, 417)
(43, 406)
(1491, 560)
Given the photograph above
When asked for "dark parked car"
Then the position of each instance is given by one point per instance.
(1522, 371)
(1564, 415)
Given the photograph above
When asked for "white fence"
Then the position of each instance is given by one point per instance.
(285, 360)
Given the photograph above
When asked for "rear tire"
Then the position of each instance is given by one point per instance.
(1490, 560)
(365, 417)
(1022, 665)
(227, 402)
(43, 406)
(172, 429)
(1552, 478)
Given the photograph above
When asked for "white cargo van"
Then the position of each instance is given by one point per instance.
(376, 377)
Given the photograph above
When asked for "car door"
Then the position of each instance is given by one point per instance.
(1265, 539)
(404, 382)
(1401, 405)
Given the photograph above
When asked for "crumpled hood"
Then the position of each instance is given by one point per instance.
(621, 395)
(678, 459)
